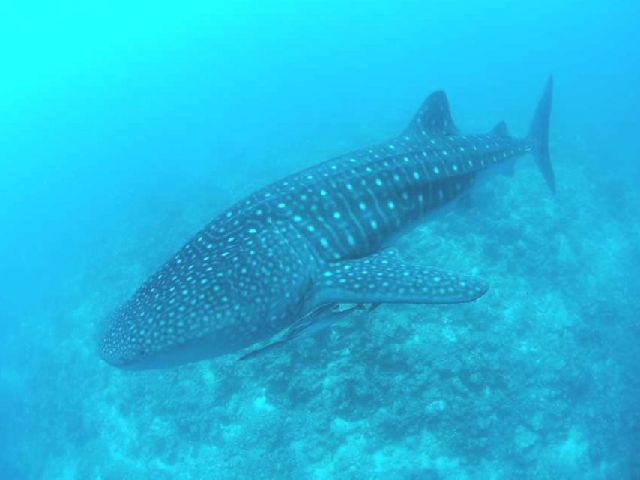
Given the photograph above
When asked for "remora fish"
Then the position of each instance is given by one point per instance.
(283, 258)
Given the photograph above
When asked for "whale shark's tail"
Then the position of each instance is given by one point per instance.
(539, 135)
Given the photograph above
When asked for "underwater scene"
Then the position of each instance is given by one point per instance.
(320, 240)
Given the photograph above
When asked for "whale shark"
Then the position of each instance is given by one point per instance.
(308, 250)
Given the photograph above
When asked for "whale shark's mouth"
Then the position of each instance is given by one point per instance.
(190, 351)
(121, 343)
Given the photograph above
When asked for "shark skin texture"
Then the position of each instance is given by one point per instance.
(279, 263)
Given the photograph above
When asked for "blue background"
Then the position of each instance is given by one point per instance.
(125, 127)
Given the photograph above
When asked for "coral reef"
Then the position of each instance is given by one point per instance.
(538, 379)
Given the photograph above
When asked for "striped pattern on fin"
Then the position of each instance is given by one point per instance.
(383, 278)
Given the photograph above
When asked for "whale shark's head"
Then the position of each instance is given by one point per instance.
(206, 302)
(190, 310)
(149, 332)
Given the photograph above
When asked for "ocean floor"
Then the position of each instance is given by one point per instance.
(538, 379)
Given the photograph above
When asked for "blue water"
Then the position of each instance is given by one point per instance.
(125, 128)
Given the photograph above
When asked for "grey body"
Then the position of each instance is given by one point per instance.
(310, 241)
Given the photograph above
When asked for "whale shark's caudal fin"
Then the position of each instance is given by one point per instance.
(539, 134)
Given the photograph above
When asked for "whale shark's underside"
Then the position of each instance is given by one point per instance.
(289, 258)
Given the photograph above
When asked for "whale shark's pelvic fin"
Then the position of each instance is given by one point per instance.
(383, 278)
(433, 118)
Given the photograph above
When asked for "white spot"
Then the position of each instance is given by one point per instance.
(374, 224)
(363, 206)
(336, 215)
(391, 205)
(436, 170)
(416, 175)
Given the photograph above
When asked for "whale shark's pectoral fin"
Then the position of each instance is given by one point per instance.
(368, 282)
(314, 321)
(383, 278)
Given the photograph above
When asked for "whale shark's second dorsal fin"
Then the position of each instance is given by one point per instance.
(434, 117)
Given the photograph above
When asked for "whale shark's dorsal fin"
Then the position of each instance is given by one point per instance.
(433, 118)
(500, 130)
